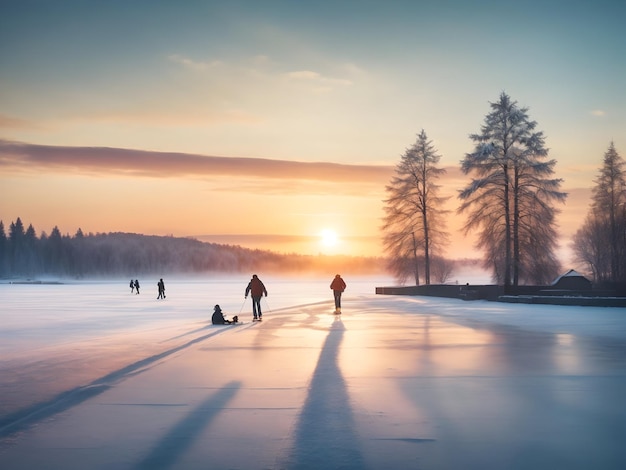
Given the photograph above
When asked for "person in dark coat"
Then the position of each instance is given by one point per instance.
(132, 286)
(161, 286)
(218, 317)
(137, 286)
(256, 289)
(338, 286)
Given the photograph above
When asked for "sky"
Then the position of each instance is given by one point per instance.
(268, 124)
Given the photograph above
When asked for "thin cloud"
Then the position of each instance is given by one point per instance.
(172, 118)
(304, 75)
(290, 186)
(261, 59)
(315, 77)
(193, 64)
(353, 69)
(578, 169)
(275, 239)
(260, 67)
(22, 157)
(598, 113)
(8, 122)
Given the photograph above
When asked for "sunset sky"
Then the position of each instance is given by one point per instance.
(264, 123)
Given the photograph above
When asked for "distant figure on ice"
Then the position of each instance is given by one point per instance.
(161, 286)
(132, 286)
(338, 286)
(137, 286)
(257, 289)
(218, 317)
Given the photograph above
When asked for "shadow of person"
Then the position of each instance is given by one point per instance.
(326, 435)
(166, 453)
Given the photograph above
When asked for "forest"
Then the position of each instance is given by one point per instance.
(23, 254)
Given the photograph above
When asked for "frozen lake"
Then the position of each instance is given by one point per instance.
(92, 376)
(57, 336)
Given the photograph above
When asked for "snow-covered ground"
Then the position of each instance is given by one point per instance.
(94, 377)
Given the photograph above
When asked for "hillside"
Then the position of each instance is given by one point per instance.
(129, 254)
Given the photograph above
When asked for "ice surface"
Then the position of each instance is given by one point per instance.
(93, 377)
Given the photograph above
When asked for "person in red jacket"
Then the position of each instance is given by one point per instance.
(256, 289)
(338, 286)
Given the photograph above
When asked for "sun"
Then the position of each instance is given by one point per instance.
(328, 237)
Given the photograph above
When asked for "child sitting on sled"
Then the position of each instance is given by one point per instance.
(218, 317)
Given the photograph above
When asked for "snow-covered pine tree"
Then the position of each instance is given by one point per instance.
(509, 200)
(413, 224)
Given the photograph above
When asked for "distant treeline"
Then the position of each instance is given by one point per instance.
(24, 254)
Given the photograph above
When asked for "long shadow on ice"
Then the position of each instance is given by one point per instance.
(191, 332)
(325, 435)
(168, 451)
(26, 417)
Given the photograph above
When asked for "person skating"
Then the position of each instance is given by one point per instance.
(256, 289)
(137, 286)
(161, 286)
(132, 286)
(338, 286)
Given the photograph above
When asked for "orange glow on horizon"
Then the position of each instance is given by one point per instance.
(282, 214)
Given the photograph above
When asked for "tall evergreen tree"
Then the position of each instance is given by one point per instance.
(4, 251)
(609, 197)
(510, 199)
(16, 246)
(55, 260)
(413, 224)
(31, 251)
(601, 242)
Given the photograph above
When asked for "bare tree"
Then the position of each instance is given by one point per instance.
(442, 269)
(589, 245)
(413, 224)
(510, 200)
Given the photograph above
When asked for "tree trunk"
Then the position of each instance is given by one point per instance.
(614, 240)
(516, 247)
(507, 234)
(415, 262)
(426, 249)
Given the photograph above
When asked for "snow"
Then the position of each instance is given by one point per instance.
(94, 377)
